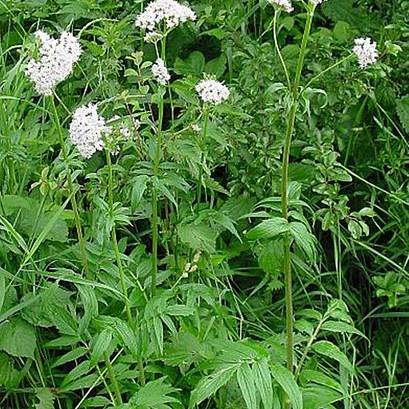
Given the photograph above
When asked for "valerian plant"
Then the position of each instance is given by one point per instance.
(157, 202)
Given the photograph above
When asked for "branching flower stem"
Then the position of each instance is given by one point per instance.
(115, 240)
(156, 171)
(277, 47)
(323, 72)
(284, 194)
(74, 204)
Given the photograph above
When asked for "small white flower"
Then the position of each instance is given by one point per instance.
(56, 62)
(153, 37)
(282, 4)
(169, 12)
(196, 257)
(212, 91)
(366, 51)
(87, 130)
(196, 128)
(316, 2)
(160, 72)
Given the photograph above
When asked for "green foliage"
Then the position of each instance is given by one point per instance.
(199, 320)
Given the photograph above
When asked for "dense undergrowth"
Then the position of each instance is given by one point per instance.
(155, 274)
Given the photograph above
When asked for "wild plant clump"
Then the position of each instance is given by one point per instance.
(203, 205)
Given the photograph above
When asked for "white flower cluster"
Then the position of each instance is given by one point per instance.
(366, 51)
(212, 91)
(87, 130)
(282, 4)
(160, 72)
(169, 12)
(56, 62)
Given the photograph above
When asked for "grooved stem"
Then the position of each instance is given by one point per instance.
(284, 199)
(115, 240)
(81, 241)
(155, 216)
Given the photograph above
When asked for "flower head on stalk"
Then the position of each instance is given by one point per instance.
(212, 91)
(166, 14)
(87, 130)
(366, 51)
(55, 63)
(160, 72)
(285, 5)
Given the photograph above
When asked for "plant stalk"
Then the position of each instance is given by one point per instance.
(81, 241)
(114, 381)
(277, 47)
(115, 240)
(284, 198)
(155, 215)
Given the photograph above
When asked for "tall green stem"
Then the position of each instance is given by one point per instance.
(114, 381)
(155, 216)
(202, 144)
(83, 251)
(115, 240)
(284, 196)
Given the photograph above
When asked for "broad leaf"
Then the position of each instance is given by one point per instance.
(246, 381)
(197, 237)
(17, 338)
(330, 350)
(210, 384)
(268, 229)
(286, 380)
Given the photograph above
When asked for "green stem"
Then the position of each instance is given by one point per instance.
(284, 198)
(141, 371)
(83, 251)
(321, 73)
(114, 381)
(308, 348)
(202, 144)
(115, 240)
(155, 215)
(277, 47)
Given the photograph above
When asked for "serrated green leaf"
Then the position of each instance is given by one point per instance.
(268, 229)
(210, 384)
(330, 350)
(197, 237)
(340, 326)
(402, 108)
(46, 399)
(304, 239)
(126, 336)
(89, 304)
(101, 345)
(17, 338)
(140, 184)
(286, 380)
(79, 371)
(264, 382)
(70, 356)
(153, 395)
(9, 375)
(246, 381)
